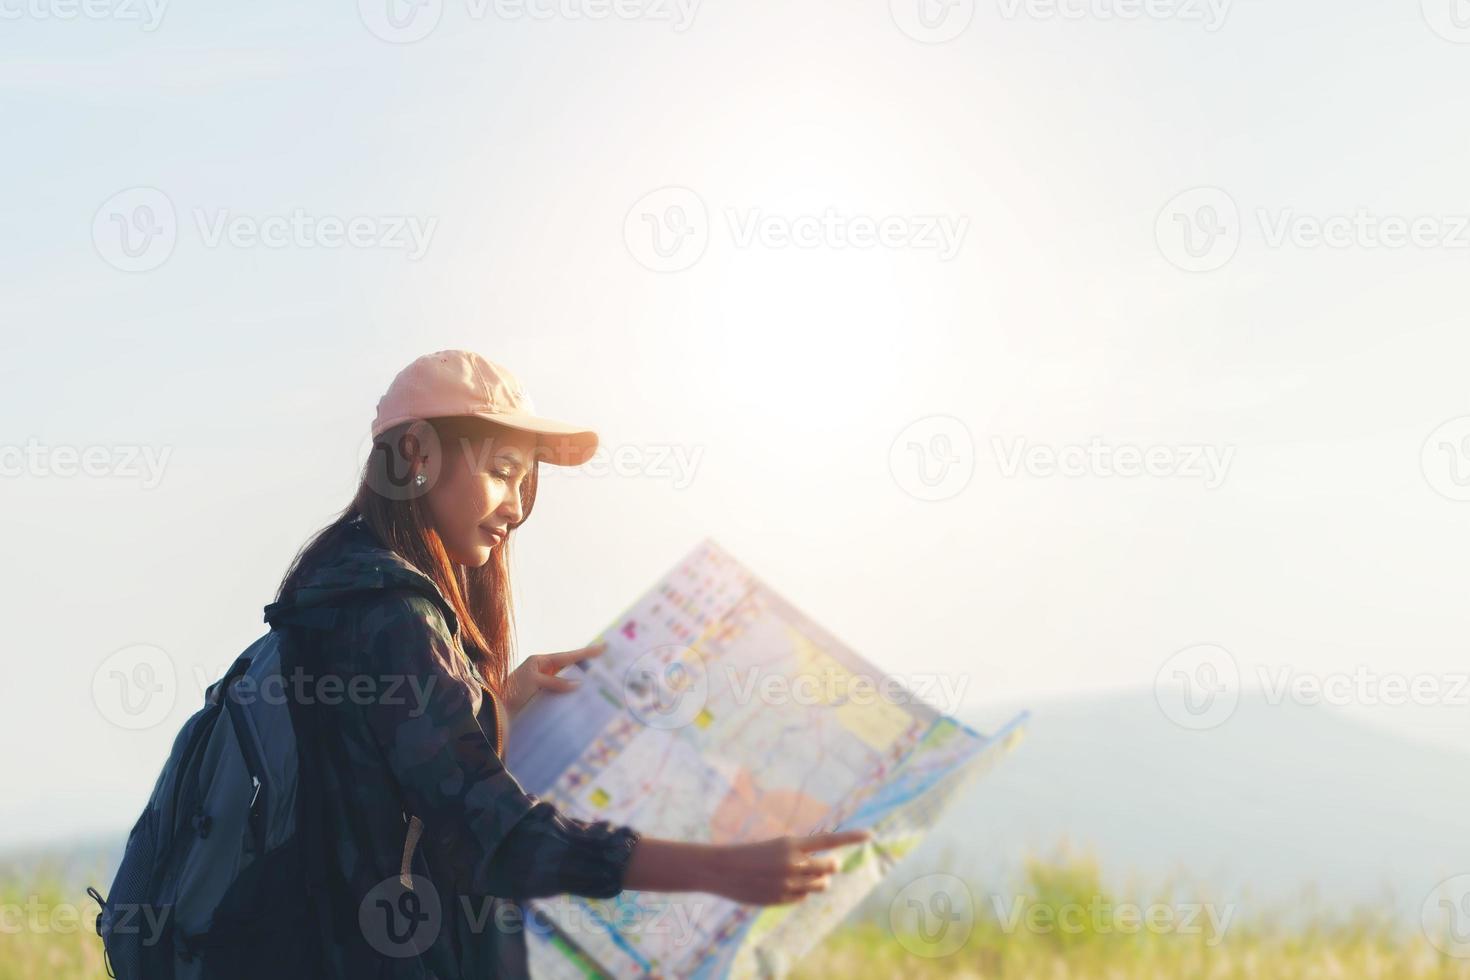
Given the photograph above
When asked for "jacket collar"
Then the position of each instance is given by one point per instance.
(356, 563)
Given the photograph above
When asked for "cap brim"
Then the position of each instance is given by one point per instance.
(560, 443)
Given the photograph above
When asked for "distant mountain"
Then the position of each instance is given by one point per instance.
(1279, 805)
(73, 864)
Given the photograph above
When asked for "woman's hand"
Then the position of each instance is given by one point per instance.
(538, 673)
(780, 870)
(768, 872)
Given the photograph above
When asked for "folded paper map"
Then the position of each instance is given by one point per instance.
(721, 714)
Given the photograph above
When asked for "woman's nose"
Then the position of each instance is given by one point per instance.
(511, 506)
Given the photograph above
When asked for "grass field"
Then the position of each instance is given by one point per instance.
(1057, 923)
(46, 930)
(1060, 923)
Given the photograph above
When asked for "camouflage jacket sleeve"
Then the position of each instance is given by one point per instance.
(493, 837)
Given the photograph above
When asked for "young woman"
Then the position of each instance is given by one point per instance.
(404, 603)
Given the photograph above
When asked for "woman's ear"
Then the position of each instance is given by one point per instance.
(422, 449)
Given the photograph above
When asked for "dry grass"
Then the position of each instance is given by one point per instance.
(46, 931)
(1363, 945)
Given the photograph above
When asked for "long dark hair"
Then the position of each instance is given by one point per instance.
(396, 511)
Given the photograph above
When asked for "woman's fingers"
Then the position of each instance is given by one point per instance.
(782, 870)
(817, 868)
(798, 888)
(549, 665)
(821, 842)
(556, 661)
(557, 685)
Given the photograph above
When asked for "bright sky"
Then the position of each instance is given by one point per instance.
(1033, 294)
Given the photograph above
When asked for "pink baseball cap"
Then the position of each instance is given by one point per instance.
(461, 382)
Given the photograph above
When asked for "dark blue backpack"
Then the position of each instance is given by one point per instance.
(213, 881)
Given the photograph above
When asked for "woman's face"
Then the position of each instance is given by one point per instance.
(477, 495)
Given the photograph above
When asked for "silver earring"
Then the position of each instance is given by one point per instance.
(420, 480)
